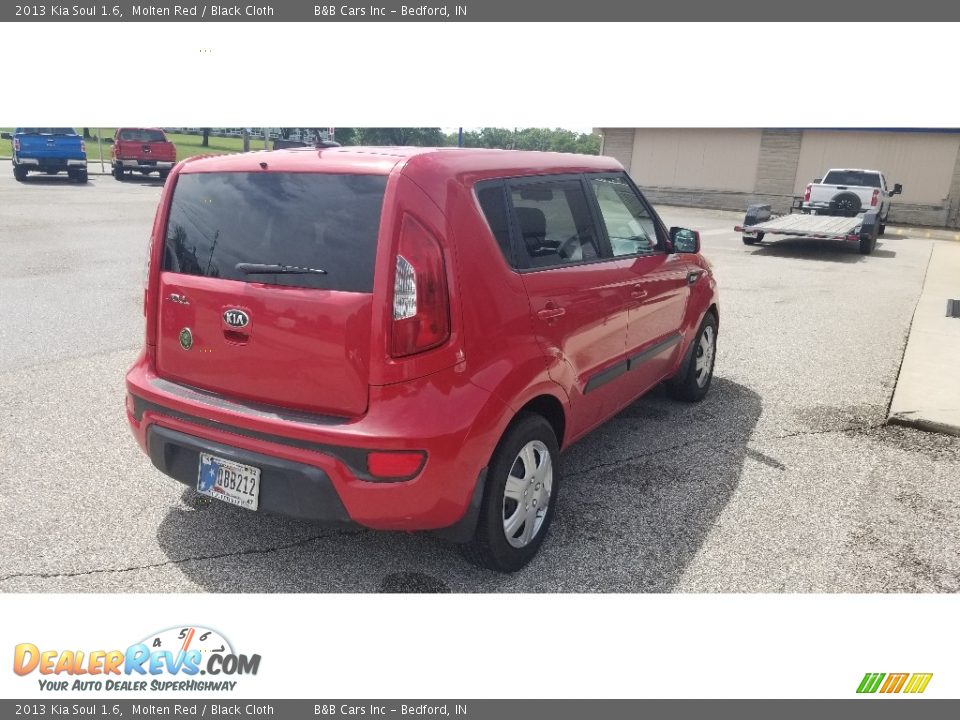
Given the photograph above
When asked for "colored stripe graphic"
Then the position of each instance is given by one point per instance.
(870, 682)
(895, 682)
(918, 683)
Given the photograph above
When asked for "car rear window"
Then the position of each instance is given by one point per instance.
(304, 220)
(852, 177)
(46, 131)
(144, 136)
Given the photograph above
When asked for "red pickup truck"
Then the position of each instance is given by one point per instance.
(143, 150)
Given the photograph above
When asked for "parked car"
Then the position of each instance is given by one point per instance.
(143, 150)
(405, 339)
(48, 150)
(850, 192)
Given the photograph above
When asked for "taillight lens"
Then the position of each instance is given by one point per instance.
(16, 144)
(83, 146)
(806, 193)
(421, 315)
(873, 200)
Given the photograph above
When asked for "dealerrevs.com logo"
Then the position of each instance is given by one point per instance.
(179, 659)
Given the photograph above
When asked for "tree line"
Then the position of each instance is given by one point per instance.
(548, 139)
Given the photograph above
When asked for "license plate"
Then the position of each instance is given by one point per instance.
(229, 481)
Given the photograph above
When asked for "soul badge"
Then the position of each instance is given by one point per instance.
(186, 339)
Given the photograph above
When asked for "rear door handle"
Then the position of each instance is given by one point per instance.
(693, 276)
(549, 313)
(638, 293)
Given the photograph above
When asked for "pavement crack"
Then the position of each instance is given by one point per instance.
(179, 561)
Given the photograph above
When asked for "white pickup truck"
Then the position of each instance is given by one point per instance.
(849, 192)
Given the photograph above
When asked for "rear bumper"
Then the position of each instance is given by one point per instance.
(316, 467)
(145, 164)
(286, 488)
(50, 163)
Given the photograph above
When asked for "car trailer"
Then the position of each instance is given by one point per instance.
(862, 228)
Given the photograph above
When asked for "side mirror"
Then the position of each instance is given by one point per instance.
(817, 180)
(6, 136)
(684, 240)
(897, 189)
(108, 141)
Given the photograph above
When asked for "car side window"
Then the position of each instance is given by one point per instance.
(554, 223)
(493, 202)
(629, 226)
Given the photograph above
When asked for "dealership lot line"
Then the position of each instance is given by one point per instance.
(786, 478)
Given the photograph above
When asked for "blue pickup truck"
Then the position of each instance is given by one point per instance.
(48, 150)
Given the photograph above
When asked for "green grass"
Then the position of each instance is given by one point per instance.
(187, 145)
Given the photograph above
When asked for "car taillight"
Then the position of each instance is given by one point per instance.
(16, 144)
(873, 200)
(83, 146)
(806, 193)
(421, 315)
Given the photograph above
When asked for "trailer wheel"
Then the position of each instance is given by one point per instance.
(749, 240)
(867, 244)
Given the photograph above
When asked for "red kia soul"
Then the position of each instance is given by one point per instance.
(406, 338)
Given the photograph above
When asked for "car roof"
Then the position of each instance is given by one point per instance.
(445, 161)
(853, 170)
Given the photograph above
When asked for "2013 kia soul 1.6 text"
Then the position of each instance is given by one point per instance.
(406, 338)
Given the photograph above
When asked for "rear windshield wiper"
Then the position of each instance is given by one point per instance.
(266, 269)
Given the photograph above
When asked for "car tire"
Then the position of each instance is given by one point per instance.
(118, 172)
(697, 369)
(520, 497)
(19, 173)
(846, 203)
(163, 174)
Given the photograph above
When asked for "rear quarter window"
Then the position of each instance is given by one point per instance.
(304, 220)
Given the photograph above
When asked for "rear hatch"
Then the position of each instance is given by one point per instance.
(146, 145)
(57, 143)
(266, 287)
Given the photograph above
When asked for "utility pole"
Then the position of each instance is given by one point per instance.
(100, 143)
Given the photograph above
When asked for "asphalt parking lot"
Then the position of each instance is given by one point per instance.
(785, 479)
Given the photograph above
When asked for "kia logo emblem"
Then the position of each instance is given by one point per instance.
(236, 318)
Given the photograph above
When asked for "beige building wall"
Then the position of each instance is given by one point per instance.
(922, 162)
(696, 158)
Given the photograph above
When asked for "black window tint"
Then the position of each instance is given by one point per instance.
(630, 227)
(852, 177)
(311, 220)
(554, 222)
(494, 207)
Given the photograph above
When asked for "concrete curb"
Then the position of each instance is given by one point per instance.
(927, 395)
